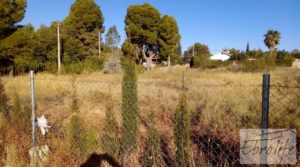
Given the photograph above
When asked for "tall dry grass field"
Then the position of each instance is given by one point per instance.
(220, 102)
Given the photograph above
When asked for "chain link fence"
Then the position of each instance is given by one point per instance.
(217, 112)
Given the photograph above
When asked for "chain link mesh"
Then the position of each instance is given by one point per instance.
(217, 112)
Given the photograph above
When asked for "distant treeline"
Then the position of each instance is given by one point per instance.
(150, 37)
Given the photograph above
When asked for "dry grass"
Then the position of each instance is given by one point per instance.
(218, 100)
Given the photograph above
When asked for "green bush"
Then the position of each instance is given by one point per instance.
(200, 62)
(130, 113)
(3, 102)
(152, 155)
(140, 69)
(266, 62)
(90, 64)
(110, 142)
(286, 61)
(75, 68)
(176, 59)
(182, 131)
(218, 64)
(112, 65)
(94, 63)
(77, 134)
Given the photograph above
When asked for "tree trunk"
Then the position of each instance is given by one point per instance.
(149, 61)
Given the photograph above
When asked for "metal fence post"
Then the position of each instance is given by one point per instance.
(265, 118)
(33, 116)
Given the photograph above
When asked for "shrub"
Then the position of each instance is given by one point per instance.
(140, 69)
(3, 101)
(12, 156)
(130, 112)
(182, 131)
(94, 63)
(200, 62)
(236, 67)
(110, 132)
(176, 59)
(285, 61)
(112, 65)
(76, 68)
(19, 129)
(152, 155)
(77, 134)
(266, 62)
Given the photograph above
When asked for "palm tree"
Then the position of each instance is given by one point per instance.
(272, 38)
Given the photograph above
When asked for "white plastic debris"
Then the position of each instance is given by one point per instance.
(43, 124)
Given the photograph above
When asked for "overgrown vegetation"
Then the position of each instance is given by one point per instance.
(152, 155)
(110, 140)
(216, 99)
(81, 141)
(182, 130)
(130, 111)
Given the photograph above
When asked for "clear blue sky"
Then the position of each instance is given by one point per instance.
(216, 23)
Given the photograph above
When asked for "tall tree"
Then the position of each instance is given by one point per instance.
(168, 38)
(247, 47)
(141, 29)
(179, 49)
(18, 49)
(11, 12)
(84, 23)
(112, 37)
(197, 49)
(272, 39)
(129, 50)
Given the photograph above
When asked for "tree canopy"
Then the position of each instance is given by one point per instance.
(168, 37)
(272, 39)
(152, 34)
(18, 49)
(83, 24)
(112, 37)
(11, 12)
(197, 49)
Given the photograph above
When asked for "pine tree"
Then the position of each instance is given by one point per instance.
(110, 132)
(12, 12)
(18, 49)
(168, 38)
(83, 24)
(112, 37)
(179, 49)
(130, 113)
(182, 131)
(247, 48)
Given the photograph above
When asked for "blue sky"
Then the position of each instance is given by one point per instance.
(216, 23)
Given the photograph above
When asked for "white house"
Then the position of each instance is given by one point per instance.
(221, 56)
